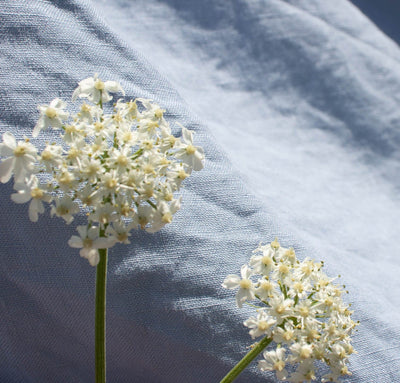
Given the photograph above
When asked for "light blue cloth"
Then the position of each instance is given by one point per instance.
(296, 104)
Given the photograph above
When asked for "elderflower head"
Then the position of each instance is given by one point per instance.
(300, 309)
(121, 167)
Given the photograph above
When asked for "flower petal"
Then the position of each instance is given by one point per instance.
(113, 86)
(231, 282)
(75, 242)
(21, 197)
(6, 168)
(9, 141)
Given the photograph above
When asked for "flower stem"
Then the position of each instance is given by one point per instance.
(246, 360)
(100, 317)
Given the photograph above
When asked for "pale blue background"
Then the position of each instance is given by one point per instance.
(296, 104)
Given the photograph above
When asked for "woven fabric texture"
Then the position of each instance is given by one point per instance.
(296, 104)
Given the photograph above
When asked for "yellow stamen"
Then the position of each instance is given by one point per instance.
(167, 218)
(51, 112)
(99, 85)
(245, 284)
(279, 365)
(111, 183)
(263, 325)
(182, 174)
(37, 193)
(190, 149)
(158, 113)
(19, 151)
(122, 160)
(275, 244)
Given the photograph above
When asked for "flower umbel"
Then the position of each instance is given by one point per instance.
(300, 310)
(120, 167)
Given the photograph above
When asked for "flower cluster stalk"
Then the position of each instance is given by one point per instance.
(100, 317)
(246, 360)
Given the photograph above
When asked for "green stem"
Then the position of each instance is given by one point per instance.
(100, 317)
(247, 359)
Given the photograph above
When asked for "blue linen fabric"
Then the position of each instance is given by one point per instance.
(296, 104)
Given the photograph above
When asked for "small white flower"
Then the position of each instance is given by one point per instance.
(51, 156)
(164, 214)
(280, 308)
(245, 285)
(129, 109)
(65, 208)
(308, 269)
(89, 242)
(190, 154)
(110, 183)
(305, 373)
(51, 115)
(120, 159)
(86, 114)
(96, 90)
(104, 214)
(176, 174)
(31, 191)
(300, 352)
(263, 264)
(274, 361)
(66, 179)
(20, 161)
(119, 232)
(92, 168)
(88, 196)
(337, 371)
(73, 132)
(282, 272)
(266, 289)
(305, 311)
(143, 217)
(286, 334)
(260, 325)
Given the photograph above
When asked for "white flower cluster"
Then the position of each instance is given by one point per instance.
(120, 168)
(301, 311)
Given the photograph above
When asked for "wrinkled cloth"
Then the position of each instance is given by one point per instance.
(296, 104)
